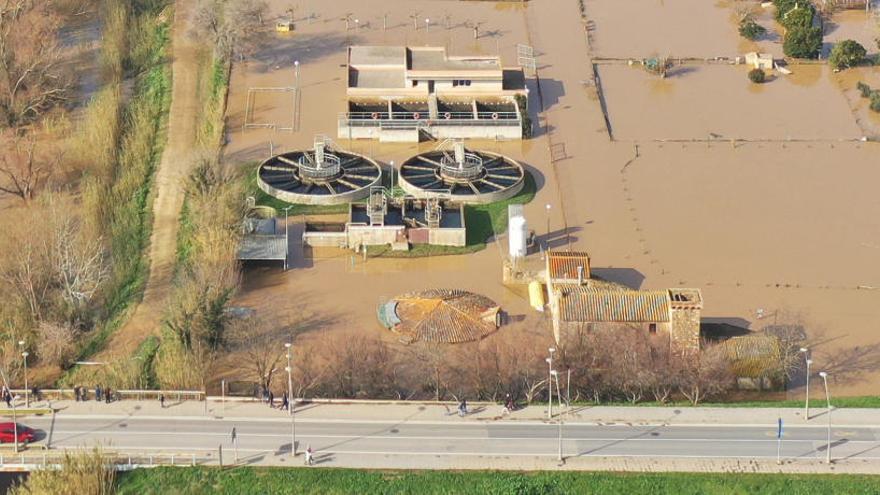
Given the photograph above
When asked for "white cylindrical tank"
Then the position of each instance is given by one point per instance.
(518, 234)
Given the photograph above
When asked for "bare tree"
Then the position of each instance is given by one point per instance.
(56, 344)
(261, 347)
(22, 172)
(79, 263)
(705, 374)
(234, 26)
(31, 77)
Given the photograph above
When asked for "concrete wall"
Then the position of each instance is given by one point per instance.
(475, 131)
(312, 199)
(325, 239)
(373, 236)
(447, 237)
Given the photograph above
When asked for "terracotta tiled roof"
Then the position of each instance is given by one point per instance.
(581, 304)
(563, 264)
(440, 315)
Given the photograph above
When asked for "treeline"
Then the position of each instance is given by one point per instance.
(603, 365)
(71, 261)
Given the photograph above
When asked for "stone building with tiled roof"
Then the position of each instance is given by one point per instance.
(578, 303)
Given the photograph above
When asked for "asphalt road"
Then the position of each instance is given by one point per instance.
(271, 438)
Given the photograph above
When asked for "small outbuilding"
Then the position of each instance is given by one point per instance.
(763, 61)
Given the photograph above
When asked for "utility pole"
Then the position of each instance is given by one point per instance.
(415, 18)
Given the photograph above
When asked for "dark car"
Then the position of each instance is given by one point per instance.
(8, 430)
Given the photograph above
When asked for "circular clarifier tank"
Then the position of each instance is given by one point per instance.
(320, 176)
(462, 174)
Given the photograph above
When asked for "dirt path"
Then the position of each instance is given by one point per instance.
(170, 177)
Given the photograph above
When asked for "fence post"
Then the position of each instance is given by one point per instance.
(193, 459)
(220, 454)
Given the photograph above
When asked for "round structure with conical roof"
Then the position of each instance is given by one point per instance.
(320, 176)
(440, 315)
(464, 175)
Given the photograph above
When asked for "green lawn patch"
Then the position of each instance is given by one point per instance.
(203, 480)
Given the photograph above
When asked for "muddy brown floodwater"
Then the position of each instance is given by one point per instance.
(786, 227)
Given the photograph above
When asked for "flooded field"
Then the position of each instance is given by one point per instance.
(719, 102)
(676, 28)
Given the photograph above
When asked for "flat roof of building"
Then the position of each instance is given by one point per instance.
(362, 55)
(427, 58)
(435, 59)
(378, 78)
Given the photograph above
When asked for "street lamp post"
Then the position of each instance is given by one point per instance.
(554, 373)
(550, 383)
(824, 376)
(290, 401)
(547, 242)
(27, 398)
(807, 390)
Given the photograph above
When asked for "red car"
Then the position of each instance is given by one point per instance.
(7, 433)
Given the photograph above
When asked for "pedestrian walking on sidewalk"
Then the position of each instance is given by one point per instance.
(308, 455)
(271, 400)
(285, 402)
(7, 396)
(98, 393)
(162, 400)
(508, 406)
(76, 393)
(108, 396)
(462, 408)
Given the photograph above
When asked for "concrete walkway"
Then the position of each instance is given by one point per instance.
(479, 412)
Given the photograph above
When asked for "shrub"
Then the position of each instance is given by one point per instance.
(875, 101)
(803, 42)
(751, 30)
(864, 89)
(757, 76)
(847, 53)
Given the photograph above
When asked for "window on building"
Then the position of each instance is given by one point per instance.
(652, 328)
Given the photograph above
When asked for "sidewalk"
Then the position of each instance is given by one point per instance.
(479, 413)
